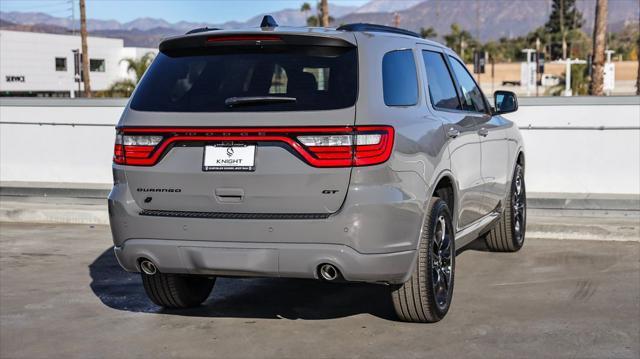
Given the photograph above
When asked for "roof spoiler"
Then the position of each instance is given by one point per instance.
(376, 28)
(248, 39)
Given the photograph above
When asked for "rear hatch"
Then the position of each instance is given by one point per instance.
(243, 123)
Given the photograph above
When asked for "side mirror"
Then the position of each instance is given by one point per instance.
(505, 102)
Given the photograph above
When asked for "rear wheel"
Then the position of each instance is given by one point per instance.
(426, 296)
(177, 290)
(508, 233)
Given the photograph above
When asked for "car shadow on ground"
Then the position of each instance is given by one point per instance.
(247, 297)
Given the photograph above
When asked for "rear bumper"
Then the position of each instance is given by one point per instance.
(372, 238)
(291, 260)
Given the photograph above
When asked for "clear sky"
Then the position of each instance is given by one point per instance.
(213, 11)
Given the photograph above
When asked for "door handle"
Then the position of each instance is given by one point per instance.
(483, 132)
(453, 132)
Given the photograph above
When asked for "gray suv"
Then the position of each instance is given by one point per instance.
(357, 154)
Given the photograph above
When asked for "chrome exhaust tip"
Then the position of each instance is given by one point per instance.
(147, 267)
(328, 272)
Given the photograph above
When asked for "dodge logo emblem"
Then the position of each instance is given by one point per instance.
(229, 151)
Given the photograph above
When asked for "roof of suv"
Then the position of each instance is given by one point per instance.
(344, 32)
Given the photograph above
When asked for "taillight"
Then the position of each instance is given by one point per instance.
(319, 146)
(364, 146)
(135, 150)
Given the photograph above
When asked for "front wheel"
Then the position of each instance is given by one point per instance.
(426, 296)
(508, 233)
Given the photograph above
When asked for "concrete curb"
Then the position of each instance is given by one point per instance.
(56, 211)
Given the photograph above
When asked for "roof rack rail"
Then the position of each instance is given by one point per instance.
(376, 28)
(201, 29)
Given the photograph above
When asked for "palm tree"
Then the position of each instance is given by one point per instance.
(428, 33)
(305, 9)
(125, 87)
(139, 66)
(599, 39)
(324, 13)
(311, 20)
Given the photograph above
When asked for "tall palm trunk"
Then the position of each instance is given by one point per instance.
(324, 13)
(85, 49)
(596, 87)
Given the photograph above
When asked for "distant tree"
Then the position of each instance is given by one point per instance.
(125, 87)
(579, 82)
(305, 9)
(122, 88)
(139, 66)
(324, 13)
(312, 21)
(428, 33)
(459, 40)
(317, 20)
(563, 23)
(624, 43)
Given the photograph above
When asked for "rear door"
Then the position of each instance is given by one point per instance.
(461, 127)
(263, 101)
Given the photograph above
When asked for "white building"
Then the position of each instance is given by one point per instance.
(37, 64)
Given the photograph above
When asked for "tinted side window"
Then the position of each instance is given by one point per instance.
(472, 97)
(442, 91)
(399, 78)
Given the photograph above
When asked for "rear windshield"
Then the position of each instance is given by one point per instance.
(317, 77)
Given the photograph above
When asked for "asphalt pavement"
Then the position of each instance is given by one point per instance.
(63, 295)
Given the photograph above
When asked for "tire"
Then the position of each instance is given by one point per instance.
(423, 298)
(176, 290)
(508, 233)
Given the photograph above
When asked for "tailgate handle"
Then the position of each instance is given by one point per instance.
(229, 195)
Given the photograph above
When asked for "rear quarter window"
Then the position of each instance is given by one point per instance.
(399, 78)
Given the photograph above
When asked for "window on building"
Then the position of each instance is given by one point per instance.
(442, 91)
(96, 65)
(61, 64)
(399, 78)
(471, 95)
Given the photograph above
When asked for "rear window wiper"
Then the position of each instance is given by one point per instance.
(257, 100)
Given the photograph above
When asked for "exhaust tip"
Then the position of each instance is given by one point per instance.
(147, 267)
(328, 272)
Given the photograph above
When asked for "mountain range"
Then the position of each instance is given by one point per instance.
(486, 19)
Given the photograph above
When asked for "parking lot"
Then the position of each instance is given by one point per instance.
(63, 295)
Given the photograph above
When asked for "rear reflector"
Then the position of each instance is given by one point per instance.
(318, 146)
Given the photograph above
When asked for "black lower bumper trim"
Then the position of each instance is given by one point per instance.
(227, 215)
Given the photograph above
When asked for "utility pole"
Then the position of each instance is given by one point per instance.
(596, 87)
(324, 13)
(85, 49)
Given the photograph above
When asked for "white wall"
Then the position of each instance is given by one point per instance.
(566, 152)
